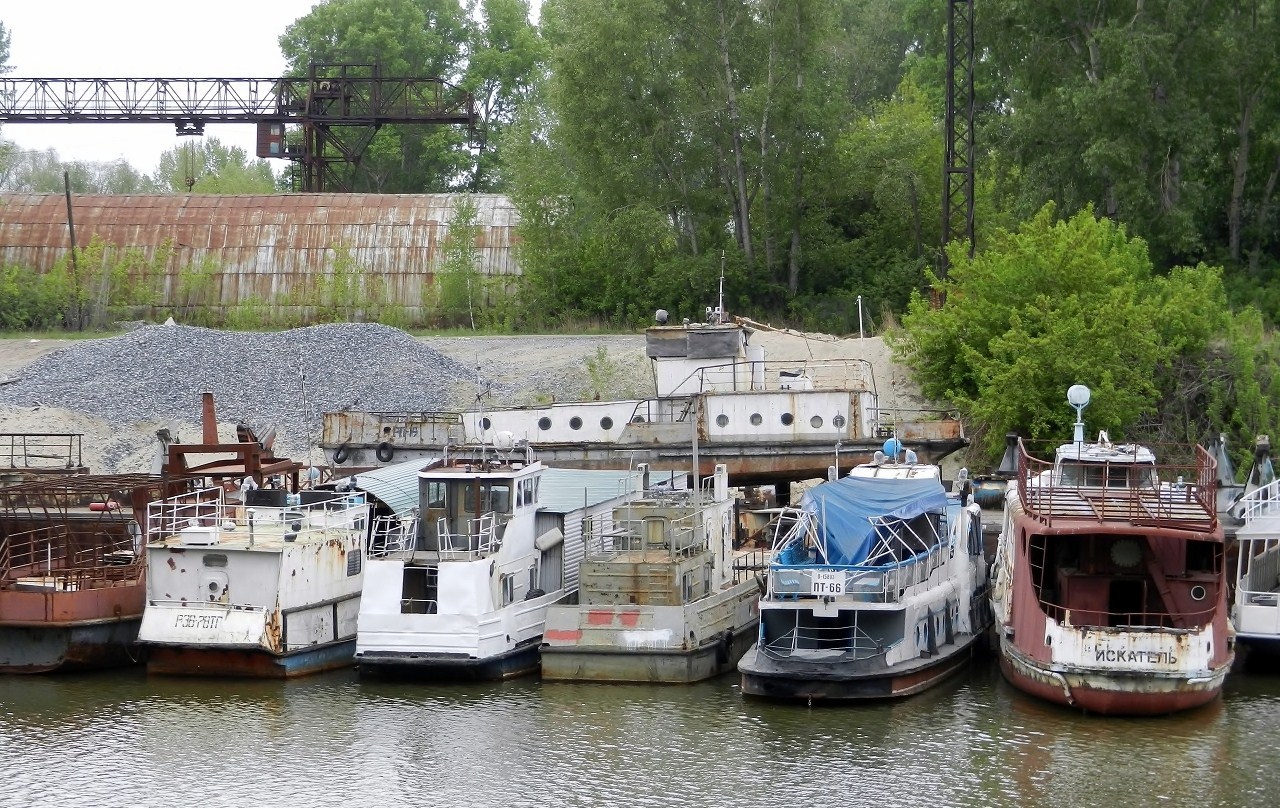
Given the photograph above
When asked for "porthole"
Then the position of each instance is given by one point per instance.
(1198, 592)
(722, 420)
(544, 423)
(838, 422)
(606, 423)
(575, 422)
(816, 422)
(756, 420)
(485, 423)
(787, 419)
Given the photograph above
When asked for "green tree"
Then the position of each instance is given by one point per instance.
(207, 166)
(505, 58)
(1056, 303)
(404, 39)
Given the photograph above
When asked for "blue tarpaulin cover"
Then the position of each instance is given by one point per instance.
(843, 507)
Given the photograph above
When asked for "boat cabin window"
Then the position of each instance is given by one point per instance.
(508, 589)
(1106, 475)
(525, 492)
(435, 495)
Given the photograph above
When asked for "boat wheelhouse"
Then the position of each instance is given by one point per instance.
(268, 587)
(876, 587)
(497, 538)
(663, 594)
(1109, 588)
(72, 571)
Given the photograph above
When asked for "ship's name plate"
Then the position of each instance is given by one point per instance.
(198, 621)
(826, 582)
(1134, 656)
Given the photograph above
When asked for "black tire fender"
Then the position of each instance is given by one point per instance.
(385, 452)
(341, 454)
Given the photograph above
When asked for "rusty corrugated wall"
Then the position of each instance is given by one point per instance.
(264, 246)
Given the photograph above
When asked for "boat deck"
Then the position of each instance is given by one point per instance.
(1150, 507)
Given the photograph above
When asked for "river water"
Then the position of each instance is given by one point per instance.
(123, 738)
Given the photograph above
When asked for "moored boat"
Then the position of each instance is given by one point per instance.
(663, 594)
(1109, 587)
(266, 589)
(72, 572)
(876, 587)
(1255, 610)
(709, 377)
(497, 538)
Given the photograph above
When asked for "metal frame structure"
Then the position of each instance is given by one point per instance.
(957, 173)
(340, 107)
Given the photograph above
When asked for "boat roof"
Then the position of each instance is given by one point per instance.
(1104, 452)
(567, 490)
(395, 486)
(897, 471)
(845, 507)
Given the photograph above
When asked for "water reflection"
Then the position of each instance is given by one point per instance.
(334, 740)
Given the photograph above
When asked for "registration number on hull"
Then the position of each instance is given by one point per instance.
(197, 621)
(826, 582)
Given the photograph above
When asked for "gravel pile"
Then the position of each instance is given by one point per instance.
(285, 379)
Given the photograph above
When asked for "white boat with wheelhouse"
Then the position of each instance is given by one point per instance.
(464, 591)
(664, 595)
(267, 588)
(877, 587)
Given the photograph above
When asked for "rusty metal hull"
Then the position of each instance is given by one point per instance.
(1104, 693)
(854, 681)
(67, 648)
(249, 663)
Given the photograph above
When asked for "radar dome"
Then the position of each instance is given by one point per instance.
(504, 440)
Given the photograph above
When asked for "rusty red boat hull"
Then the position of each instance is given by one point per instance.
(249, 663)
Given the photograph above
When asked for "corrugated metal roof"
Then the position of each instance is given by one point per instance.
(263, 246)
(566, 490)
(396, 486)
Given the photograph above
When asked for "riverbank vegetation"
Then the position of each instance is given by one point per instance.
(790, 152)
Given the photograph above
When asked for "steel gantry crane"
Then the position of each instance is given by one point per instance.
(338, 107)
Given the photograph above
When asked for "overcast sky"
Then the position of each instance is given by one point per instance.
(141, 39)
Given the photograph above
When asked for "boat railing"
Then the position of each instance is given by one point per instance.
(1260, 503)
(394, 535)
(626, 531)
(1176, 496)
(478, 539)
(1258, 575)
(41, 450)
(760, 375)
(66, 561)
(750, 564)
(208, 514)
(881, 583)
(1133, 620)
(843, 640)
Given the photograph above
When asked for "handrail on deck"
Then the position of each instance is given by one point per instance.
(1176, 496)
(41, 450)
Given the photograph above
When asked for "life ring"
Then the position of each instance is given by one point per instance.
(341, 454)
(385, 452)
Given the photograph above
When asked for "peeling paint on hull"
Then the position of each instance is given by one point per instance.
(1140, 693)
(656, 665)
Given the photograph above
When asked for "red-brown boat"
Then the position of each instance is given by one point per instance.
(1110, 590)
